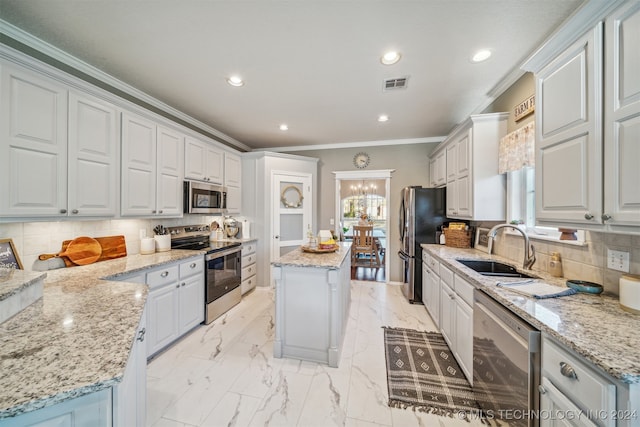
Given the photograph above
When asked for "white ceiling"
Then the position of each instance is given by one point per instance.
(314, 65)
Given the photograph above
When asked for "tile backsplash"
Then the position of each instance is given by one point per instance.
(34, 238)
(588, 262)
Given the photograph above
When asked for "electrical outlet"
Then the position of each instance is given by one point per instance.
(143, 233)
(331, 222)
(618, 260)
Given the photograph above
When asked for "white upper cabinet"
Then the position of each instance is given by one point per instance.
(475, 190)
(93, 156)
(203, 161)
(586, 156)
(622, 117)
(232, 180)
(59, 150)
(170, 161)
(569, 134)
(33, 152)
(151, 168)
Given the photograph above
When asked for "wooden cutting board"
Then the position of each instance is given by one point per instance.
(112, 247)
(82, 250)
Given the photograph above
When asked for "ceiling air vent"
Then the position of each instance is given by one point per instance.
(398, 83)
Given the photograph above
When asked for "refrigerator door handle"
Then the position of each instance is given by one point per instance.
(403, 256)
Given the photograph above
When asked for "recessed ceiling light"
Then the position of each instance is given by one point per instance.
(235, 81)
(390, 58)
(383, 118)
(284, 127)
(481, 55)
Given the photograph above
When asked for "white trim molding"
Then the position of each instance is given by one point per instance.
(426, 140)
(372, 174)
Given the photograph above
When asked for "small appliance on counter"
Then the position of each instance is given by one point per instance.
(231, 226)
(630, 293)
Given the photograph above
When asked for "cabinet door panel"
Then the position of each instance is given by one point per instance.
(170, 172)
(564, 92)
(464, 197)
(569, 167)
(138, 166)
(93, 150)
(214, 165)
(33, 155)
(622, 117)
(464, 338)
(163, 317)
(194, 156)
(191, 302)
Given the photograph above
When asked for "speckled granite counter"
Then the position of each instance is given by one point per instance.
(299, 258)
(594, 326)
(18, 289)
(76, 339)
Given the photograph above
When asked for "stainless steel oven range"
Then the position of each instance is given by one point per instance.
(506, 363)
(223, 267)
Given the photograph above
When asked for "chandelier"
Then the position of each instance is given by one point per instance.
(363, 190)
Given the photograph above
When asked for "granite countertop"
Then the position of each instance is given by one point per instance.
(594, 326)
(299, 258)
(12, 281)
(76, 339)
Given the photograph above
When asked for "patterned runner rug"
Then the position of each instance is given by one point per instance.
(423, 374)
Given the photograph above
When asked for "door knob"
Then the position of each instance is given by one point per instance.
(277, 237)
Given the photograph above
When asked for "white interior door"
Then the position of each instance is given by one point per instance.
(292, 206)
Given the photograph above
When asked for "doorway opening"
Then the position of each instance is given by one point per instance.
(362, 201)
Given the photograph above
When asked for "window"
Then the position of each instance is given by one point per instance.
(521, 205)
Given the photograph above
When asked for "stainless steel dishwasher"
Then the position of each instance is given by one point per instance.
(506, 363)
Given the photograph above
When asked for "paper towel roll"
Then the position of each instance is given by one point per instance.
(630, 293)
(246, 234)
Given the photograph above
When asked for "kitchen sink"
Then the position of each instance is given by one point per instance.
(492, 268)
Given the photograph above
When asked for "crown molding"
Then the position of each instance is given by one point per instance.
(427, 140)
(59, 56)
(368, 174)
(574, 27)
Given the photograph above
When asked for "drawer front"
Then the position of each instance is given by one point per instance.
(464, 289)
(248, 284)
(576, 380)
(248, 271)
(434, 265)
(247, 260)
(162, 276)
(192, 267)
(426, 258)
(248, 248)
(447, 276)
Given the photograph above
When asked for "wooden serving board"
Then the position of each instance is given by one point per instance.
(318, 250)
(112, 247)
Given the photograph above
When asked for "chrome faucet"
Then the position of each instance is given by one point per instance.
(529, 251)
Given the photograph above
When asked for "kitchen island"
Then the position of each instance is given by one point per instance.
(312, 299)
(76, 340)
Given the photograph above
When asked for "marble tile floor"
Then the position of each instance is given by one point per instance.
(224, 374)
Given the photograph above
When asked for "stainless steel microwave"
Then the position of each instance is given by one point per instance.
(203, 198)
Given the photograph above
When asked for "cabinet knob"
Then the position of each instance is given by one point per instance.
(193, 265)
(164, 274)
(63, 211)
(153, 211)
(541, 389)
(141, 334)
(75, 211)
(183, 283)
(588, 216)
(178, 286)
(160, 211)
(568, 371)
(606, 217)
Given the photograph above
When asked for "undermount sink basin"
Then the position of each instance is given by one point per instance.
(492, 268)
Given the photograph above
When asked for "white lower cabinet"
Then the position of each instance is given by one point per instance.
(175, 303)
(456, 318)
(130, 396)
(248, 267)
(431, 288)
(91, 410)
(569, 384)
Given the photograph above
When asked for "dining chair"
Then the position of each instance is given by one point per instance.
(364, 244)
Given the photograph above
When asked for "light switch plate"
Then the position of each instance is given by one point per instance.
(618, 260)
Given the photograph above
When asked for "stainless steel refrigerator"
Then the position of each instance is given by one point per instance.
(422, 212)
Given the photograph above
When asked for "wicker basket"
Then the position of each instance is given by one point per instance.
(457, 238)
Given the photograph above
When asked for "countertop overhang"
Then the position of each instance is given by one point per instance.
(76, 339)
(594, 326)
